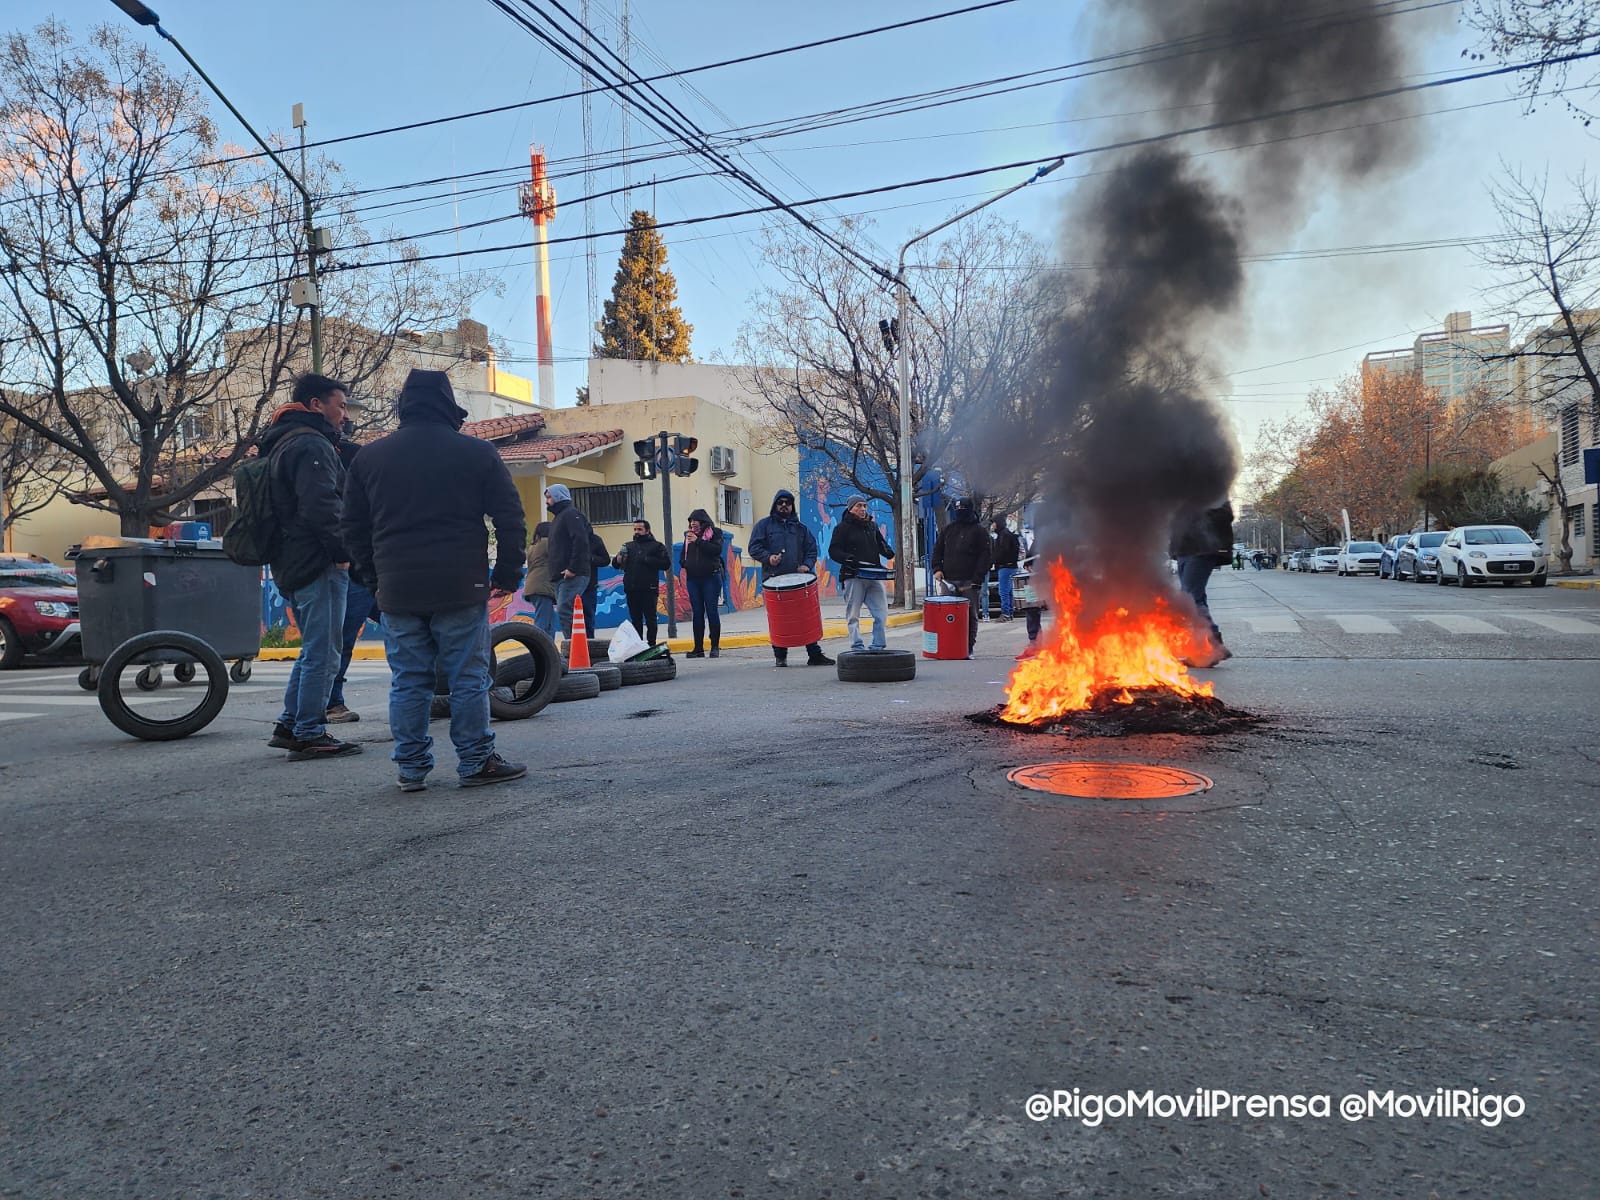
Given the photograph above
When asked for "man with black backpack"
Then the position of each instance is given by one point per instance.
(309, 562)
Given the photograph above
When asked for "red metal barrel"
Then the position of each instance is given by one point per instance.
(944, 626)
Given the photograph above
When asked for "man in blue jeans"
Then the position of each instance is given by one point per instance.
(1007, 549)
(571, 555)
(414, 521)
(310, 565)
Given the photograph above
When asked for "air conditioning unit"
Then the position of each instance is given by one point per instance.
(722, 460)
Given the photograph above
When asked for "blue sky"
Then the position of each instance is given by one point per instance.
(364, 66)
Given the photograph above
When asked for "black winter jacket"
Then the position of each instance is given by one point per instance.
(961, 552)
(857, 542)
(570, 549)
(414, 511)
(308, 494)
(702, 556)
(1203, 531)
(1007, 548)
(641, 562)
(784, 536)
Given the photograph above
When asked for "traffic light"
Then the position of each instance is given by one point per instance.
(891, 334)
(645, 468)
(682, 448)
(645, 447)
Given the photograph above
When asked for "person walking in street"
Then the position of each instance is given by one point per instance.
(960, 558)
(311, 566)
(1007, 549)
(1201, 542)
(783, 545)
(570, 554)
(414, 521)
(537, 589)
(641, 562)
(857, 543)
(702, 578)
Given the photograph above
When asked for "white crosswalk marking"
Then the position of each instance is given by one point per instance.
(1556, 624)
(1451, 623)
(18, 716)
(1364, 623)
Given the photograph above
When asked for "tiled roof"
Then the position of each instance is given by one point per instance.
(558, 449)
(496, 428)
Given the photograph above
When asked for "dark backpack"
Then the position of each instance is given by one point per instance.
(253, 536)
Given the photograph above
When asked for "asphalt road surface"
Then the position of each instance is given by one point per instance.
(761, 933)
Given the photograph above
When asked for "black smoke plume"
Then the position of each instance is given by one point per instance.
(1118, 420)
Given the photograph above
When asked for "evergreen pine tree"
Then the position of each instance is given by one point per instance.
(642, 318)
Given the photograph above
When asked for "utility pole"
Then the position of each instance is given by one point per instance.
(908, 528)
(302, 293)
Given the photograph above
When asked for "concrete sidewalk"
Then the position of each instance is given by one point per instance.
(747, 627)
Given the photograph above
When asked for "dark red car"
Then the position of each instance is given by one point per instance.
(38, 609)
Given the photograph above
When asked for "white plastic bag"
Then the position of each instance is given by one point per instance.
(625, 643)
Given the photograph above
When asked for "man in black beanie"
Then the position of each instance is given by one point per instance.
(962, 552)
(413, 520)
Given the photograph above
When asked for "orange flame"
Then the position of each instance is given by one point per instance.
(1134, 645)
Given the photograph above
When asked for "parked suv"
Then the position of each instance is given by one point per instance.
(38, 609)
(1502, 554)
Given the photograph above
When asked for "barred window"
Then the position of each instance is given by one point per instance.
(611, 504)
(1575, 516)
(1569, 435)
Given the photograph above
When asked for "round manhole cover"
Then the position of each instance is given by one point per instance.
(1109, 781)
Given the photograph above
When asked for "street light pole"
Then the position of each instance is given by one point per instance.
(908, 532)
(145, 15)
(1427, 472)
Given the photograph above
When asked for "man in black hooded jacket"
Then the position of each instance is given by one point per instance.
(783, 545)
(413, 520)
(961, 552)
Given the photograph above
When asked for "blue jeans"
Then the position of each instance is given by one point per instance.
(459, 639)
(357, 608)
(568, 590)
(870, 592)
(544, 614)
(704, 592)
(318, 609)
(1006, 575)
(1193, 572)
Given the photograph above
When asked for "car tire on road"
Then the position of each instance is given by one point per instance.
(1463, 580)
(651, 670)
(608, 673)
(577, 685)
(138, 724)
(10, 647)
(524, 684)
(1540, 580)
(877, 666)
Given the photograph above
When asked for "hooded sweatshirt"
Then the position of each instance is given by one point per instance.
(962, 550)
(784, 536)
(570, 532)
(308, 489)
(416, 502)
(1202, 531)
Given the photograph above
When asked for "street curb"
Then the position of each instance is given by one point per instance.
(1578, 584)
(831, 630)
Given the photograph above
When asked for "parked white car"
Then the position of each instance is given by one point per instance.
(1504, 554)
(1359, 558)
(1324, 558)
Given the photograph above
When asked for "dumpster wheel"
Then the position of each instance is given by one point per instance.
(152, 649)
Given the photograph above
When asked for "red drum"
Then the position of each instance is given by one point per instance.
(944, 626)
(794, 610)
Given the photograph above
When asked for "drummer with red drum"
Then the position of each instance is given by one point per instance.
(858, 545)
(784, 546)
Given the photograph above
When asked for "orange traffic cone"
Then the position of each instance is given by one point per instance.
(578, 655)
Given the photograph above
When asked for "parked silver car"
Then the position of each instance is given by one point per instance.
(1419, 557)
(1391, 552)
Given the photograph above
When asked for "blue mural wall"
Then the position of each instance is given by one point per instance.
(821, 498)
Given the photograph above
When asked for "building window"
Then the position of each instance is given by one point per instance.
(733, 505)
(612, 504)
(1569, 435)
(1575, 517)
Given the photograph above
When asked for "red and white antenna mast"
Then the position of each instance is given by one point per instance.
(538, 200)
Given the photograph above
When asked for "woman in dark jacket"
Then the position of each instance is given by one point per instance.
(702, 570)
